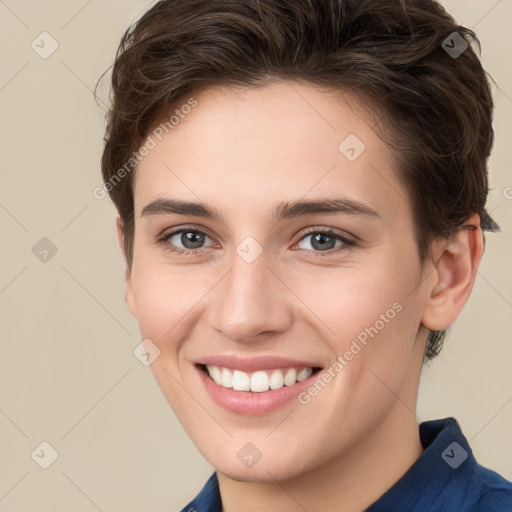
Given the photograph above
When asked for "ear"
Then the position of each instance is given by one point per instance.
(129, 296)
(456, 261)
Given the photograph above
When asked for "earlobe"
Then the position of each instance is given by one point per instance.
(456, 261)
(128, 284)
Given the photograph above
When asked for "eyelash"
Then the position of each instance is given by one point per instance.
(347, 242)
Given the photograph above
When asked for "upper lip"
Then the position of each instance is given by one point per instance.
(255, 363)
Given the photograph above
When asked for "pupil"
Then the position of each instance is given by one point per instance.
(192, 240)
(319, 241)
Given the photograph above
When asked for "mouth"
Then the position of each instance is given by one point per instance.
(256, 385)
(259, 381)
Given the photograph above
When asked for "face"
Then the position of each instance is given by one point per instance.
(311, 312)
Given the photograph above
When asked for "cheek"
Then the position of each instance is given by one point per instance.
(350, 301)
(369, 317)
(165, 300)
(167, 304)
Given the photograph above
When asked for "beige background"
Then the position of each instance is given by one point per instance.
(68, 373)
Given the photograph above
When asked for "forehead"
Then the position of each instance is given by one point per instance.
(248, 147)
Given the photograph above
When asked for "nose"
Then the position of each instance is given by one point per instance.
(251, 302)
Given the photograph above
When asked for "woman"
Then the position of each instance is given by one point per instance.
(301, 191)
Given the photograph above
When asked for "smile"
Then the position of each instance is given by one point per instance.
(261, 388)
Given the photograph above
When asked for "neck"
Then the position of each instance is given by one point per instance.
(347, 484)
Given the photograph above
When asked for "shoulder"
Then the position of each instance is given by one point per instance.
(496, 492)
(446, 477)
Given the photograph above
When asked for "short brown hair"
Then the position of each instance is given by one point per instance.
(435, 109)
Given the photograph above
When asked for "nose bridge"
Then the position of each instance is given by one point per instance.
(250, 300)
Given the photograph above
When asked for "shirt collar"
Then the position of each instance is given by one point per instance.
(443, 471)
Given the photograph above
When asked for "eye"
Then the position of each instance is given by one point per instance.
(184, 240)
(325, 241)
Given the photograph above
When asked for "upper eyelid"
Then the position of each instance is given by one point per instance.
(175, 230)
(329, 231)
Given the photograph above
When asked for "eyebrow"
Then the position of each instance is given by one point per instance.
(283, 210)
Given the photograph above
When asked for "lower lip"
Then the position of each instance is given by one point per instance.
(249, 402)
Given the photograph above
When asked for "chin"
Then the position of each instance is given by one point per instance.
(268, 469)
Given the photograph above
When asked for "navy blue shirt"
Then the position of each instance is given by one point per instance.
(446, 478)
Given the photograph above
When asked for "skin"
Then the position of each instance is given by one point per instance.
(244, 151)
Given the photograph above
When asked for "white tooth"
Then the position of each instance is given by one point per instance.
(290, 377)
(276, 380)
(304, 374)
(241, 381)
(227, 378)
(259, 381)
(215, 374)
